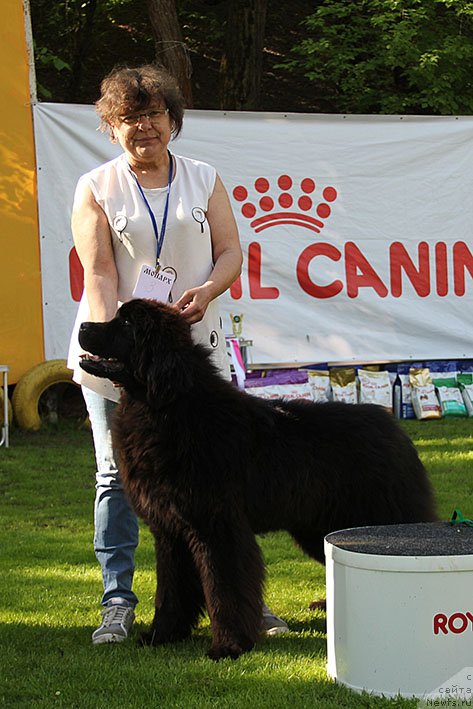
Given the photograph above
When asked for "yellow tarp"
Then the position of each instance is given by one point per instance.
(21, 328)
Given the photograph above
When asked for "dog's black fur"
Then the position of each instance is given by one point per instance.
(207, 466)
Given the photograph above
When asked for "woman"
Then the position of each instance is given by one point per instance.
(146, 209)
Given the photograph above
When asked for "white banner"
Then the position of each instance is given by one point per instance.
(356, 230)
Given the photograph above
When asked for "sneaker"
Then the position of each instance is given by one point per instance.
(117, 619)
(272, 624)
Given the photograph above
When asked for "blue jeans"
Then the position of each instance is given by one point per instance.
(116, 525)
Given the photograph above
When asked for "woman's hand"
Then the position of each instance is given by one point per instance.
(227, 257)
(193, 303)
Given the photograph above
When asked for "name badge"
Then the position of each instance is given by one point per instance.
(154, 284)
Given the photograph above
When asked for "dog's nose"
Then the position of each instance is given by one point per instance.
(83, 332)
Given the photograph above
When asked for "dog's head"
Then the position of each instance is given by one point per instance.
(143, 349)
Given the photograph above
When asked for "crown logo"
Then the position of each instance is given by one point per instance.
(278, 209)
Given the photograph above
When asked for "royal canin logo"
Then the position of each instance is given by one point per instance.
(426, 269)
(455, 623)
(277, 204)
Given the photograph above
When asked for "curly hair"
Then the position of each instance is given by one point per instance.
(130, 89)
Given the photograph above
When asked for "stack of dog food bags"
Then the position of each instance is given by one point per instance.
(429, 390)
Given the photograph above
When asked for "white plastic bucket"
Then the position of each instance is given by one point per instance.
(397, 625)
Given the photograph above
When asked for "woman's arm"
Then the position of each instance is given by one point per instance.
(93, 244)
(227, 257)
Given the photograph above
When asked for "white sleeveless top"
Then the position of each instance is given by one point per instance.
(187, 246)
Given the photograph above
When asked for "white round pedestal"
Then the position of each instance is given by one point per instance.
(400, 607)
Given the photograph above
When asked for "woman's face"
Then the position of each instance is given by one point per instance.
(144, 134)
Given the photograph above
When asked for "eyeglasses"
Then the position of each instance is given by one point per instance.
(153, 116)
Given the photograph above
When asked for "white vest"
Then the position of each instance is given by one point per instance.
(187, 246)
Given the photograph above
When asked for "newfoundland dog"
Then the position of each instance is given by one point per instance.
(208, 466)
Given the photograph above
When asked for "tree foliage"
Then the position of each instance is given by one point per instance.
(89, 37)
(390, 56)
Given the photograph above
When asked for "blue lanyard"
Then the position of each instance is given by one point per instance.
(159, 236)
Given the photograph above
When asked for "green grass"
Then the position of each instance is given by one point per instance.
(50, 586)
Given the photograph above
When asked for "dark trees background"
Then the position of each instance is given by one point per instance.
(131, 31)
(330, 56)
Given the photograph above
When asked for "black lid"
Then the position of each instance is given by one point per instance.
(424, 539)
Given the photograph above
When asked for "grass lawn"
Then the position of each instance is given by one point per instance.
(50, 587)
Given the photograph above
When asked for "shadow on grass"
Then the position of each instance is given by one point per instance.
(316, 625)
(44, 667)
(308, 638)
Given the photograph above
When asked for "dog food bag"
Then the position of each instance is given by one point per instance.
(465, 382)
(343, 382)
(450, 396)
(396, 386)
(319, 382)
(424, 399)
(282, 391)
(403, 368)
(407, 410)
(375, 388)
(280, 384)
(397, 397)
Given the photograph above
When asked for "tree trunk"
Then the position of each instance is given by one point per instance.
(171, 52)
(84, 34)
(241, 66)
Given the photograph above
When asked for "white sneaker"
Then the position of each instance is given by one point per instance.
(273, 624)
(117, 620)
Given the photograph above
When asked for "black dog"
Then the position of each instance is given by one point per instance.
(208, 466)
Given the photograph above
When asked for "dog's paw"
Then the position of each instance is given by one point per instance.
(320, 605)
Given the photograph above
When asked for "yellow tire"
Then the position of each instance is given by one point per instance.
(10, 410)
(32, 385)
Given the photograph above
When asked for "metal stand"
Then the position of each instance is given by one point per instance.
(4, 439)
(245, 350)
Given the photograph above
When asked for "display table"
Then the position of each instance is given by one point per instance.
(399, 607)
(4, 437)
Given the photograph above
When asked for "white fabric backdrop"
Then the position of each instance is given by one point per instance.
(403, 186)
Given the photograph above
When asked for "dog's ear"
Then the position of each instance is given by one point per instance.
(169, 376)
(163, 351)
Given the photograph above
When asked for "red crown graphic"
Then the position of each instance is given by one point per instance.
(305, 200)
